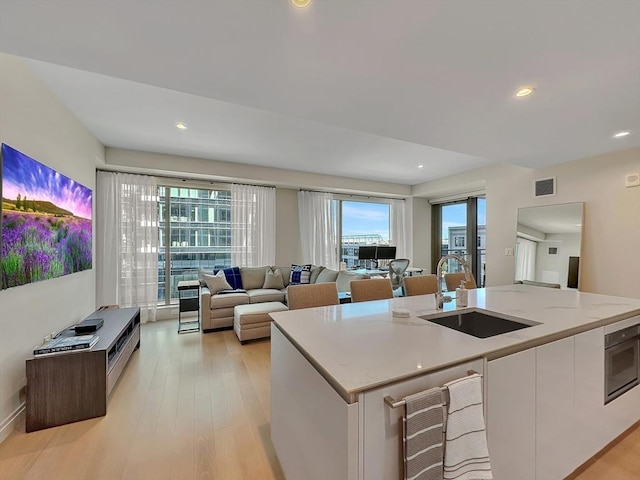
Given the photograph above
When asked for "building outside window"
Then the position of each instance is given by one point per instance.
(194, 232)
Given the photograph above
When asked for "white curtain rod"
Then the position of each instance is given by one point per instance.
(185, 179)
(351, 195)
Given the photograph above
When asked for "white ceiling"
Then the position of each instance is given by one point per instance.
(366, 89)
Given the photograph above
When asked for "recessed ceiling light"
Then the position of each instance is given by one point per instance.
(524, 92)
(181, 126)
(300, 3)
(420, 166)
(624, 133)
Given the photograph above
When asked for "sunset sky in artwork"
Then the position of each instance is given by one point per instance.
(25, 176)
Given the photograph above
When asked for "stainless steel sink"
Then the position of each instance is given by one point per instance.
(477, 324)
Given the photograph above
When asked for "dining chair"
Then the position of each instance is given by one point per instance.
(452, 280)
(371, 289)
(312, 295)
(420, 285)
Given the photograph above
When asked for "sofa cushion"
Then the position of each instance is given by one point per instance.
(233, 276)
(216, 282)
(229, 300)
(343, 281)
(327, 275)
(273, 279)
(286, 273)
(247, 315)
(300, 274)
(261, 295)
(252, 277)
(315, 272)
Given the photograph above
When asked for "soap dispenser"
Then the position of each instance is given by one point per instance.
(462, 295)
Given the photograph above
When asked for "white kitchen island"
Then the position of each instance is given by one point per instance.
(331, 368)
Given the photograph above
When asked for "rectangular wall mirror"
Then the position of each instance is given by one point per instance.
(548, 245)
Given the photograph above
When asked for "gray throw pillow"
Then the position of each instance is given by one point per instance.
(273, 279)
(216, 282)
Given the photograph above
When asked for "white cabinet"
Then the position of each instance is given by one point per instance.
(545, 408)
(382, 425)
(590, 426)
(511, 417)
(555, 447)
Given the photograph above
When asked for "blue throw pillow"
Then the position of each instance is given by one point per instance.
(300, 274)
(233, 276)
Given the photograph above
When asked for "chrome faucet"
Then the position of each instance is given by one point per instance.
(440, 298)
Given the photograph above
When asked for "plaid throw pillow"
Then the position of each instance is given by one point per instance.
(300, 274)
(233, 276)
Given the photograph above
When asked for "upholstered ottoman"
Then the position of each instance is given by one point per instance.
(253, 321)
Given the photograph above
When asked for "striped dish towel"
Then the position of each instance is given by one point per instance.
(466, 455)
(422, 426)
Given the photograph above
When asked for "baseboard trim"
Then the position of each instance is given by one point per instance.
(9, 423)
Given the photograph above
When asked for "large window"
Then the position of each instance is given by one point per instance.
(460, 228)
(194, 232)
(361, 223)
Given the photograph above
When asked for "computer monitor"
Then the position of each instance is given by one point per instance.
(385, 252)
(367, 252)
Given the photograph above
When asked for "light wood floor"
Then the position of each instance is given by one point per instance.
(194, 406)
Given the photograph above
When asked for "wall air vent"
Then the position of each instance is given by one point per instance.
(544, 187)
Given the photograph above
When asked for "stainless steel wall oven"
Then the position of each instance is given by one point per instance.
(621, 361)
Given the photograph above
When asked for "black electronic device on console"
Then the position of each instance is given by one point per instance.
(385, 252)
(89, 325)
(367, 252)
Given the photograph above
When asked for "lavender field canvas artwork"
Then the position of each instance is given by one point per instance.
(46, 222)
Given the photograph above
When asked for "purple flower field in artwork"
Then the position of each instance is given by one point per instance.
(39, 246)
(46, 221)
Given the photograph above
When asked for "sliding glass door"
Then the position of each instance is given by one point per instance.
(460, 228)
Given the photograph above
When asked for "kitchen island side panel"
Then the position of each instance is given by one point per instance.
(314, 431)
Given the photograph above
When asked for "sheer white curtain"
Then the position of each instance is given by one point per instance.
(127, 246)
(253, 225)
(317, 229)
(525, 259)
(400, 229)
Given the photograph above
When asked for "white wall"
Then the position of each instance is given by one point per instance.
(421, 220)
(34, 122)
(175, 165)
(556, 265)
(288, 246)
(612, 213)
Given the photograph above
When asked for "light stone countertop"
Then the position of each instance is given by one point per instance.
(360, 346)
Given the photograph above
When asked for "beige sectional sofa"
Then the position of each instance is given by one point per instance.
(217, 310)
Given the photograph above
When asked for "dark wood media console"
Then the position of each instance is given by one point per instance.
(68, 387)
